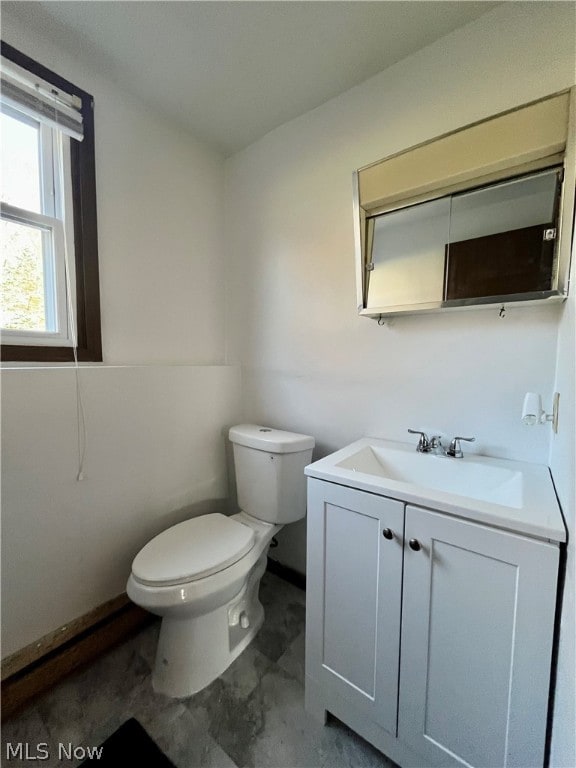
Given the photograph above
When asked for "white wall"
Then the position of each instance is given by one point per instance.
(309, 362)
(155, 455)
(155, 452)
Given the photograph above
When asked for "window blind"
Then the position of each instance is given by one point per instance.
(492, 149)
(40, 100)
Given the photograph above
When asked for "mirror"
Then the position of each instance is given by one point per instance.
(490, 244)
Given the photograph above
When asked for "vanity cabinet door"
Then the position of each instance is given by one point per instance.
(354, 580)
(477, 627)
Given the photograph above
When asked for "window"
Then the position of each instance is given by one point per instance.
(36, 244)
(49, 279)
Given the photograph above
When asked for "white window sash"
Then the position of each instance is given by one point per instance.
(57, 239)
(55, 291)
(48, 183)
(40, 220)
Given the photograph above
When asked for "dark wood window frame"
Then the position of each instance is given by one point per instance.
(83, 168)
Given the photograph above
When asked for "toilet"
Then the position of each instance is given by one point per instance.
(202, 575)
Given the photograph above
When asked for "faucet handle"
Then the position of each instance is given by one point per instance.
(455, 449)
(423, 444)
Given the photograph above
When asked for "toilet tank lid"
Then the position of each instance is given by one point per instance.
(268, 439)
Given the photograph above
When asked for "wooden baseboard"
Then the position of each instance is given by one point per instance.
(41, 665)
(31, 653)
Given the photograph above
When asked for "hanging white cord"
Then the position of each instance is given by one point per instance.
(57, 168)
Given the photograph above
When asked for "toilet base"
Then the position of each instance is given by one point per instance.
(193, 652)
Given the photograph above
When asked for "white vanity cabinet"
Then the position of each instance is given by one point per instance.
(477, 626)
(353, 594)
(434, 644)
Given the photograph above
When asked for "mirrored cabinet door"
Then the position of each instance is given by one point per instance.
(488, 244)
(502, 238)
(408, 254)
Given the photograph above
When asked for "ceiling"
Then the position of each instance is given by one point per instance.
(229, 72)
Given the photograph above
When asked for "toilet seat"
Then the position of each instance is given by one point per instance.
(192, 550)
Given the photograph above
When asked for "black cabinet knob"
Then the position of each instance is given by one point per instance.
(415, 545)
(387, 533)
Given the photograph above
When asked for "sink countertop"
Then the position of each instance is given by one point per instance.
(530, 505)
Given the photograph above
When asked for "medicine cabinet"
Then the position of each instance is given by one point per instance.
(479, 217)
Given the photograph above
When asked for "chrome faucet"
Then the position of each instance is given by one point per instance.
(434, 445)
(423, 444)
(455, 449)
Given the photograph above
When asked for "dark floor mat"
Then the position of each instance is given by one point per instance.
(130, 746)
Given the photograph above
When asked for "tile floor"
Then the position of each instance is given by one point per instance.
(251, 717)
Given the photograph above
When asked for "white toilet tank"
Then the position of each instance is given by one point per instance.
(269, 465)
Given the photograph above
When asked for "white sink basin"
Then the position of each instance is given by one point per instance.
(514, 495)
(468, 478)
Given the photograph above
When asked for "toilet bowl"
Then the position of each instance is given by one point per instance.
(202, 576)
